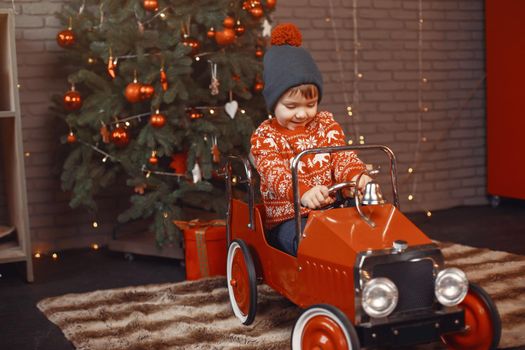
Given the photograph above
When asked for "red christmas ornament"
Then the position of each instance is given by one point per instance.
(146, 91)
(226, 37)
(150, 5)
(194, 44)
(228, 22)
(72, 100)
(256, 12)
(259, 86)
(120, 137)
(178, 162)
(271, 4)
(71, 137)
(157, 120)
(132, 92)
(153, 160)
(194, 113)
(239, 28)
(211, 33)
(248, 4)
(259, 52)
(66, 38)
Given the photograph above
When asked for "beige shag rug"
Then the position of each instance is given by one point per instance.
(197, 315)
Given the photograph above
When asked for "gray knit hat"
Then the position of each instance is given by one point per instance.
(287, 65)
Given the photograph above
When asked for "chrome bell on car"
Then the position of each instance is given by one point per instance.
(372, 194)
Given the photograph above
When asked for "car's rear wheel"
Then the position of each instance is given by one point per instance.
(324, 327)
(482, 321)
(242, 282)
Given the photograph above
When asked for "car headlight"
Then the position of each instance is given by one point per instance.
(379, 297)
(451, 286)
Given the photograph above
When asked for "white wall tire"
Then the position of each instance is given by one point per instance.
(324, 326)
(242, 283)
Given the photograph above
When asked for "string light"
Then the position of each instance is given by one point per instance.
(212, 111)
(410, 197)
(361, 140)
(163, 173)
(94, 224)
(243, 111)
(350, 142)
(27, 154)
(54, 256)
(165, 214)
(234, 180)
(197, 58)
(353, 108)
(429, 214)
(410, 170)
(38, 255)
(95, 246)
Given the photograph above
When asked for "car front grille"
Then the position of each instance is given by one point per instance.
(414, 281)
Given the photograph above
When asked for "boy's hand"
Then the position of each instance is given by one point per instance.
(347, 192)
(316, 197)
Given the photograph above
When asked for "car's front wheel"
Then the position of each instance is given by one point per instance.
(324, 327)
(242, 281)
(482, 321)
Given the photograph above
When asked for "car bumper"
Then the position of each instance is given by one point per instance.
(412, 329)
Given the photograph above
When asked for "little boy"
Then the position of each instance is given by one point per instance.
(292, 90)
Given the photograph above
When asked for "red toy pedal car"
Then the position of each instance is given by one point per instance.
(365, 275)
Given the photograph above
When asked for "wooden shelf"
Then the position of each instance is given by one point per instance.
(7, 114)
(15, 239)
(11, 252)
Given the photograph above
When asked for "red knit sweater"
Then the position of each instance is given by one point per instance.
(273, 148)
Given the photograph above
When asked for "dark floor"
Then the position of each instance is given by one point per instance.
(22, 326)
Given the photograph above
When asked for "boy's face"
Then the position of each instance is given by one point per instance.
(294, 111)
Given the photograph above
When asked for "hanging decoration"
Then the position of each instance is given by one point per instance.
(66, 38)
(157, 120)
(216, 154)
(214, 85)
(163, 79)
(104, 132)
(120, 137)
(132, 92)
(150, 5)
(196, 173)
(112, 65)
(270, 4)
(194, 113)
(239, 28)
(71, 137)
(136, 92)
(231, 107)
(178, 163)
(187, 40)
(258, 86)
(227, 35)
(72, 99)
(259, 52)
(153, 160)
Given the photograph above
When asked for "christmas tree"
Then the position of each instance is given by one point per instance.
(159, 92)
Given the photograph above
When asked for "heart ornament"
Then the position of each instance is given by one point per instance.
(231, 108)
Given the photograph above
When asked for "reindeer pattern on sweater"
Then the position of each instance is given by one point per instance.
(273, 148)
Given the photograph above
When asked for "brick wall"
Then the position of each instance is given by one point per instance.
(451, 167)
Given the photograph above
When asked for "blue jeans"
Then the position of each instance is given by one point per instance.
(283, 236)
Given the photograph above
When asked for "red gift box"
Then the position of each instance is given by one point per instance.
(204, 248)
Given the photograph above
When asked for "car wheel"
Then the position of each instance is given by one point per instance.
(324, 327)
(242, 282)
(482, 321)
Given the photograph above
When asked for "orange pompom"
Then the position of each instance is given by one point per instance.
(286, 34)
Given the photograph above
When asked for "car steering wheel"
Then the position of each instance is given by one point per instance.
(339, 198)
